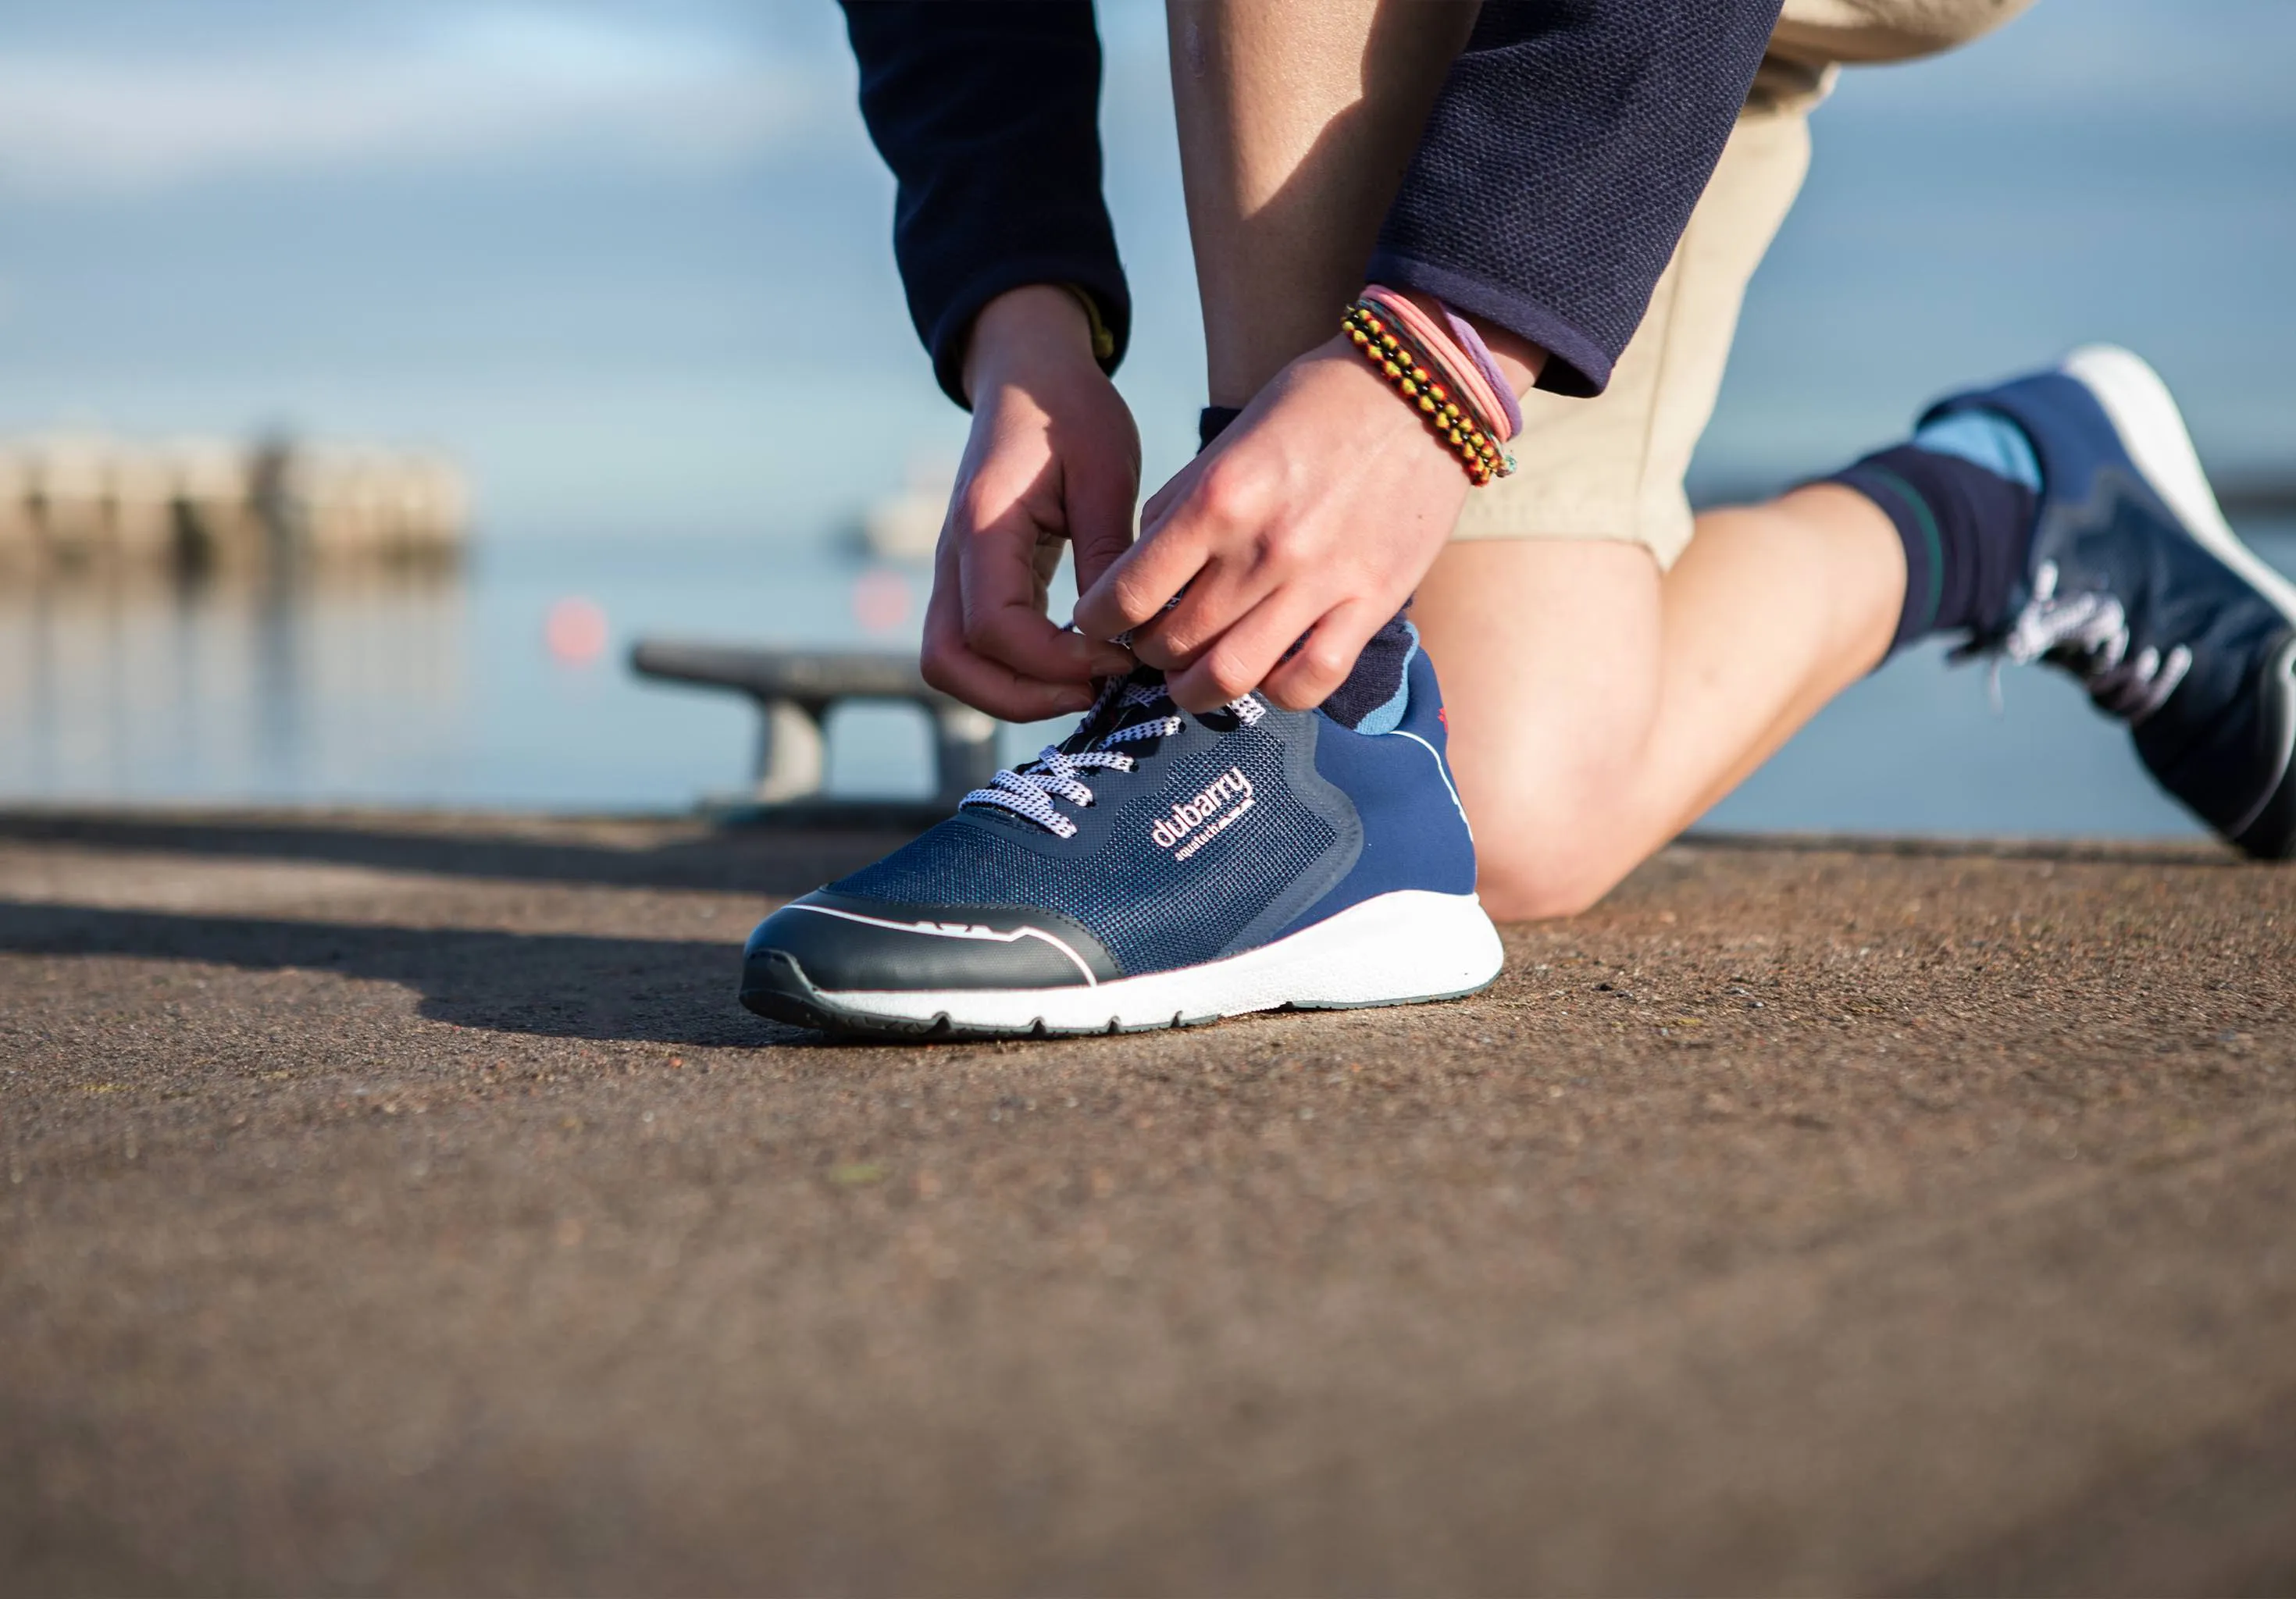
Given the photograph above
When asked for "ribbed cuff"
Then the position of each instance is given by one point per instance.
(1575, 365)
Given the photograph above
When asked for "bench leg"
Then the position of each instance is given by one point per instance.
(793, 754)
(964, 747)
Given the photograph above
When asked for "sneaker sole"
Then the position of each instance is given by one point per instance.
(2152, 429)
(1409, 947)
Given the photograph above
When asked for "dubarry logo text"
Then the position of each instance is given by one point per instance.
(1224, 798)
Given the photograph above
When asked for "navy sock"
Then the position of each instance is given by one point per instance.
(1963, 496)
(1375, 697)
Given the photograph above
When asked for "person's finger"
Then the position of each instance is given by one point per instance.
(1000, 691)
(1175, 488)
(1137, 586)
(1099, 506)
(1001, 615)
(987, 685)
(1151, 517)
(1314, 672)
(990, 685)
(1044, 561)
(1232, 509)
(1222, 594)
(1242, 658)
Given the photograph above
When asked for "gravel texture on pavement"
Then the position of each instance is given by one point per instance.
(400, 1204)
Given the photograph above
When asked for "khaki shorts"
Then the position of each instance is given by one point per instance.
(1611, 467)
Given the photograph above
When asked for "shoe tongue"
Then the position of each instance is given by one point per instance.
(1125, 707)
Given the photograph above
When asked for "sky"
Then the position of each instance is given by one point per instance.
(631, 264)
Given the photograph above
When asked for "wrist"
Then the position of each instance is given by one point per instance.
(1375, 417)
(1030, 328)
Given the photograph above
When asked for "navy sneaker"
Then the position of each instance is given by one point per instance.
(1155, 870)
(2139, 586)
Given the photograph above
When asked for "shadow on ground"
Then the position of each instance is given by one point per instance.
(552, 985)
(618, 854)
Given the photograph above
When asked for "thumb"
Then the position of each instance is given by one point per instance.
(1100, 534)
(1099, 504)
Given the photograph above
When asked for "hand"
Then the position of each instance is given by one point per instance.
(1053, 457)
(1313, 517)
(1296, 537)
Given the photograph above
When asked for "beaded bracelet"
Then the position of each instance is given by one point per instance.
(1475, 382)
(1426, 385)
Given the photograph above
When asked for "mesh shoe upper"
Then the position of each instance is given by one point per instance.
(1171, 863)
(2163, 632)
(1209, 836)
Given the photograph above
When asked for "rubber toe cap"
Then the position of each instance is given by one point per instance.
(841, 943)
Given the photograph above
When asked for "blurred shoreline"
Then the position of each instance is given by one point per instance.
(500, 684)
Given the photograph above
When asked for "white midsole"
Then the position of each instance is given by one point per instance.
(2152, 429)
(1388, 950)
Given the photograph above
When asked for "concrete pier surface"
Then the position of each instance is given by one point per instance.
(399, 1203)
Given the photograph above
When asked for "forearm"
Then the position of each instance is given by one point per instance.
(1562, 162)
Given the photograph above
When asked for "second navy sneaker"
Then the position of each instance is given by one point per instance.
(1156, 869)
(2139, 586)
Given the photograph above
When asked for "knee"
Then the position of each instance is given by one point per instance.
(1554, 848)
(1533, 874)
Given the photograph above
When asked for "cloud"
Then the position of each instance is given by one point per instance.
(484, 84)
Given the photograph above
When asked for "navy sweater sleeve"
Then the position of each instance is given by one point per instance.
(1560, 164)
(988, 116)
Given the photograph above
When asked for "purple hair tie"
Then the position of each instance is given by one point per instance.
(1479, 353)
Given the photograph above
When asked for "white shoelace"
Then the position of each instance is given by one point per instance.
(2089, 633)
(1029, 790)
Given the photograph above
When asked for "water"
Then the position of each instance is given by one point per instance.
(429, 689)
(443, 689)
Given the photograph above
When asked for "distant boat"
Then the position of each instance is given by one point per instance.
(904, 527)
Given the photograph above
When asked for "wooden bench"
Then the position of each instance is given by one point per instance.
(793, 690)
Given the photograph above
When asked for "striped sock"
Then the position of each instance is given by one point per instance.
(1963, 494)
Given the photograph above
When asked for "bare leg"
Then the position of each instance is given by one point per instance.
(1596, 707)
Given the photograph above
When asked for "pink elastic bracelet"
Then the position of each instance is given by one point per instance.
(1438, 347)
(1491, 402)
